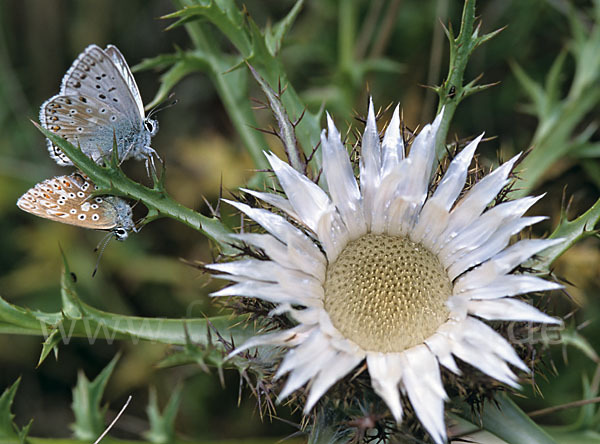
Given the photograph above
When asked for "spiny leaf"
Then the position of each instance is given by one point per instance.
(87, 396)
(50, 344)
(94, 324)
(507, 421)
(9, 432)
(570, 336)
(159, 62)
(183, 67)
(274, 36)
(533, 89)
(162, 425)
(572, 232)
(487, 37)
(553, 79)
(224, 14)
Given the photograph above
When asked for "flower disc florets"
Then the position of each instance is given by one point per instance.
(386, 270)
(386, 293)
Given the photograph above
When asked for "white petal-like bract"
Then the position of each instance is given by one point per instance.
(393, 197)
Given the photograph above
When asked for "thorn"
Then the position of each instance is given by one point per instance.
(314, 150)
(210, 207)
(318, 176)
(270, 132)
(294, 124)
(218, 208)
(445, 28)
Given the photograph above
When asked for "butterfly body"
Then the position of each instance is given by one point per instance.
(98, 103)
(69, 199)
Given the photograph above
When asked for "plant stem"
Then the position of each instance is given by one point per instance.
(111, 180)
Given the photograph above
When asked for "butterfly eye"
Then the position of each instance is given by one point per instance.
(151, 126)
(121, 234)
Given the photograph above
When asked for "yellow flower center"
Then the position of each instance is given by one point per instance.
(386, 293)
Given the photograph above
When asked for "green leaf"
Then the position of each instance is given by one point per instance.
(162, 425)
(533, 89)
(571, 337)
(554, 77)
(572, 232)
(184, 66)
(274, 36)
(50, 344)
(379, 65)
(224, 14)
(486, 37)
(92, 324)
(560, 119)
(508, 422)
(89, 415)
(9, 432)
(159, 62)
(170, 331)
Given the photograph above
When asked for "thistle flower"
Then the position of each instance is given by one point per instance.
(384, 269)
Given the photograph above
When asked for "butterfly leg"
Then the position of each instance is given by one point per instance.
(149, 153)
(126, 154)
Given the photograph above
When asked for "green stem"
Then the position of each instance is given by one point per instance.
(346, 33)
(253, 50)
(237, 105)
(452, 91)
(111, 180)
(94, 324)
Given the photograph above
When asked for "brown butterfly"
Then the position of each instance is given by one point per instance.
(68, 199)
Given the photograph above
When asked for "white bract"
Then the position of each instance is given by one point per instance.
(387, 271)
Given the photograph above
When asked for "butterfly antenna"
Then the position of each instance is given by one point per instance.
(162, 105)
(101, 247)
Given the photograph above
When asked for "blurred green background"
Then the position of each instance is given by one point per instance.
(402, 45)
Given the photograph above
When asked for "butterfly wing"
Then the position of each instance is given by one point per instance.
(119, 61)
(95, 75)
(98, 100)
(67, 199)
(71, 117)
